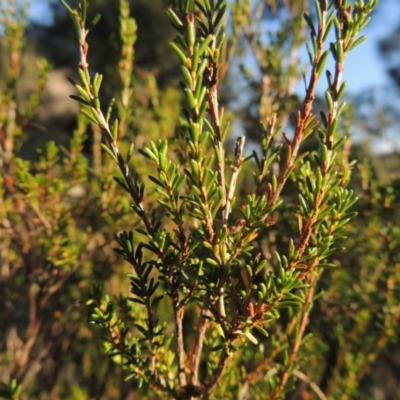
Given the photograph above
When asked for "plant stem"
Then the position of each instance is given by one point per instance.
(195, 354)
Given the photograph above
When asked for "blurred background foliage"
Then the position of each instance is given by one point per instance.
(60, 208)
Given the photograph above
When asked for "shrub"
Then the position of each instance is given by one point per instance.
(228, 248)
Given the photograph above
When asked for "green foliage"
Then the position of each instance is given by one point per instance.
(223, 271)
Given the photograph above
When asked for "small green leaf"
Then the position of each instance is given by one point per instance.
(341, 91)
(114, 130)
(174, 18)
(109, 109)
(251, 337)
(83, 101)
(212, 262)
(94, 21)
(261, 330)
(130, 152)
(109, 152)
(329, 101)
(204, 44)
(310, 24)
(179, 53)
(187, 76)
(322, 61)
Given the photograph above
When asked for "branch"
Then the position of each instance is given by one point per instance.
(302, 116)
(195, 354)
(238, 163)
(179, 313)
(305, 313)
(223, 361)
(313, 385)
